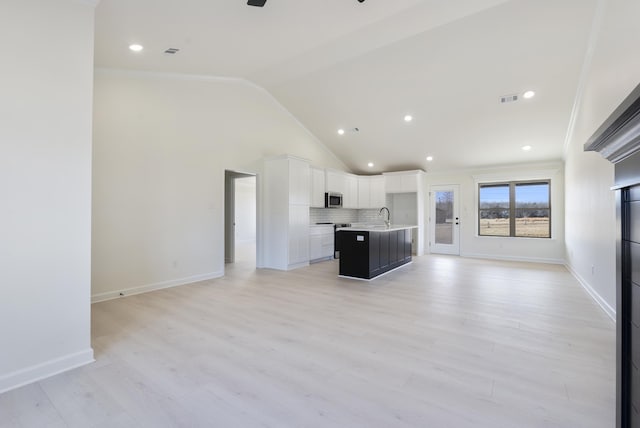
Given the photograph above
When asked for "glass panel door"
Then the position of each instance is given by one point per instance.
(444, 217)
(444, 220)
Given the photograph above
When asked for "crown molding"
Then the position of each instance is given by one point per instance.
(619, 136)
(594, 34)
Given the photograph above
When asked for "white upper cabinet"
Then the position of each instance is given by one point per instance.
(336, 181)
(371, 191)
(350, 197)
(402, 182)
(377, 191)
(317, 187)
(345, 184)
(364, 192)
(299, 177)
(393, 183)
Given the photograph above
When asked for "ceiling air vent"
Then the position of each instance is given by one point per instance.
(172, 51)
(509, 98)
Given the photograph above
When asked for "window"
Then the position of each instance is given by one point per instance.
(519, 209)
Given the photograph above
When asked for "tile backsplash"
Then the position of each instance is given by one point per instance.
(370, 216)
(344, 215)
(332, 215)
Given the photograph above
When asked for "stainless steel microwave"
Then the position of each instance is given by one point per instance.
(332, 200)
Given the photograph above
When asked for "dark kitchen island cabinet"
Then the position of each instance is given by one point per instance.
(366, 253)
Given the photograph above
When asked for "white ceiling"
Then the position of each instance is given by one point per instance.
(344, 64)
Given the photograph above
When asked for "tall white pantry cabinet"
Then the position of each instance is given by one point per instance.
(286, 212)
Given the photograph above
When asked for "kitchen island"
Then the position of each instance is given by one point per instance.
(369, 251)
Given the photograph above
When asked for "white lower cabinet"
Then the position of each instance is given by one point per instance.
(315, 247)
(320, 242)
(298, 235)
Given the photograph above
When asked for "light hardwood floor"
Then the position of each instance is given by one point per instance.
(443, 342)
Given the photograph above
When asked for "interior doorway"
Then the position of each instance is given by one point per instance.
(444, 220)
(240, 218)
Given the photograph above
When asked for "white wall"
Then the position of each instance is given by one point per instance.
(245, 209)
(161, 145)
(524, 249)
(45, 184)
(611, 72)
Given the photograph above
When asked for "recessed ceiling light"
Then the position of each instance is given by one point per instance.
(526, 148)
(429, 158)
(341, 131)
(408, 118)
(370, 164)
(136, 47)
(529, 94)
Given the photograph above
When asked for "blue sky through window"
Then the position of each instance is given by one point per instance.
(538, 193)
(525, 193)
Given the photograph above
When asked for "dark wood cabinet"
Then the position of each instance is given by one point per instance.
(629, 306)
(367, 254)
(384, 250)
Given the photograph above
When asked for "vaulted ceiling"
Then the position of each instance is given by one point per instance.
(342, 64)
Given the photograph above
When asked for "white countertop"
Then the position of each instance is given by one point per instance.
(377, 227)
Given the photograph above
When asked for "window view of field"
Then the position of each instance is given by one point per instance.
(515, 209)
(537, 227)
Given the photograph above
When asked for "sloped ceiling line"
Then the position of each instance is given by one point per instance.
(596, 26)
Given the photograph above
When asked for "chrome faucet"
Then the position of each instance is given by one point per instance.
(388, 220)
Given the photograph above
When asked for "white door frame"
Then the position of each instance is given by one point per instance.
(454, 246)
(229, 213)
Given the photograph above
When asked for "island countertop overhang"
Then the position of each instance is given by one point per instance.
(376, 228)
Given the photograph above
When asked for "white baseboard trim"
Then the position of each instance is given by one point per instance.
(297, 265)
(593, 293)
(514, 258)
(44, 370)
(109, 295)
(321, 259)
